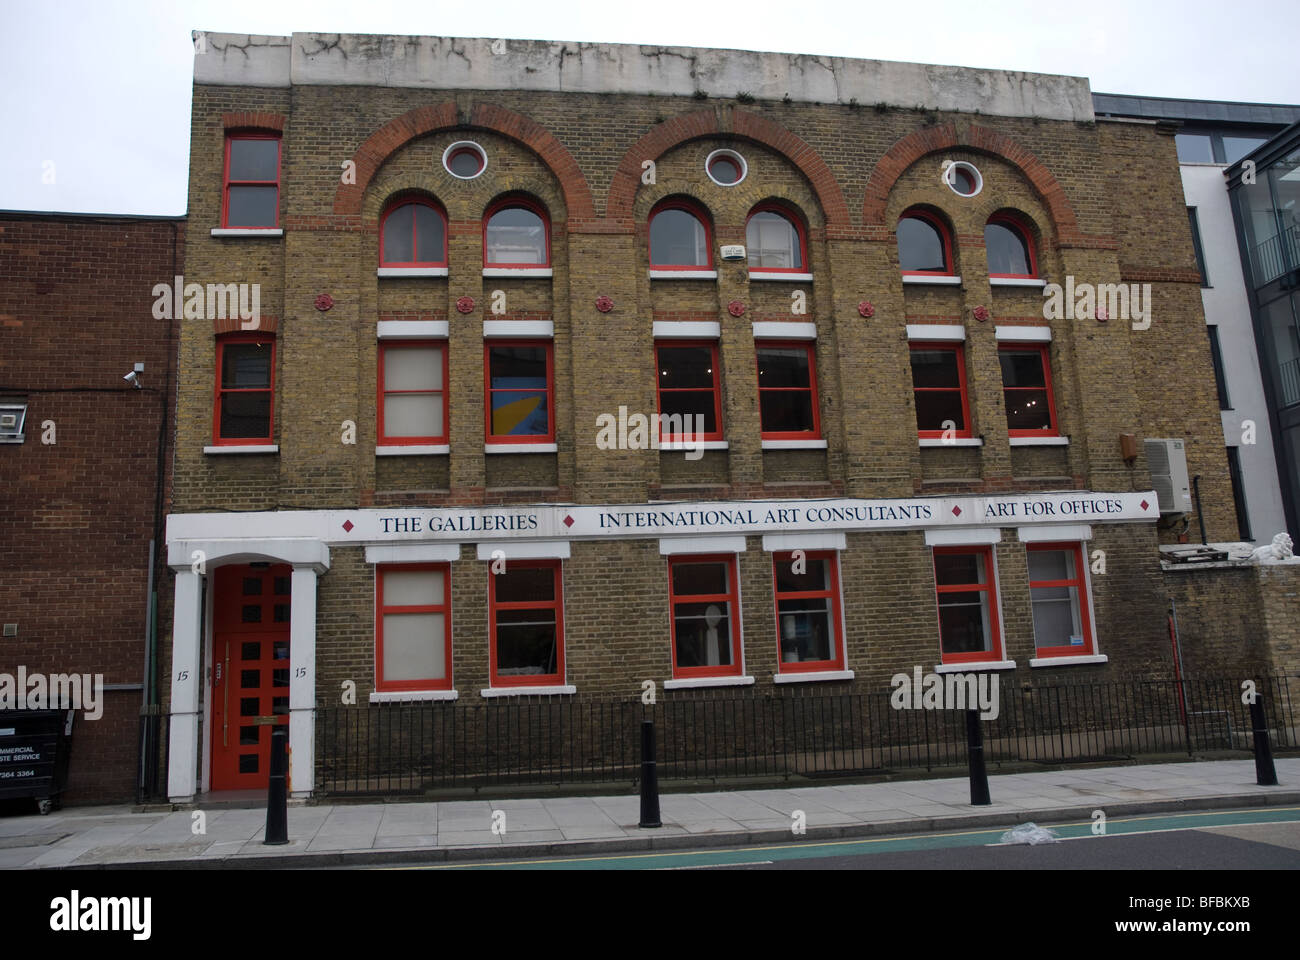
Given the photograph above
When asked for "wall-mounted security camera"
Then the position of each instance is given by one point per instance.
(133, 377)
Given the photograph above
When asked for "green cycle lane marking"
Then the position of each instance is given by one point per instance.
(742, 856)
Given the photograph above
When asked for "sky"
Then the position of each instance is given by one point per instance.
(95, 94)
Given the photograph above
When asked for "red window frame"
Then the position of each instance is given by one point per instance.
(944, 234)
(1019, 226)
(994, 653)
(384, 347)
(393, 208)
(732, 598)
(799, 229)
(487, 392)
(526, 203)
(698, 212)
(959, 349)
(810, 347)
(227, 183)
(476, 154)
(1045, 359)
(832, 594)
(735, 162)
(219, 391)
(712, 346)
(1080, 583)
(444, 609)
(556, 604)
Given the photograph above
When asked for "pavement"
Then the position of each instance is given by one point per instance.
(357, 834)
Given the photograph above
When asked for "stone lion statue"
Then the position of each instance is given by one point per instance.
(1279, 549)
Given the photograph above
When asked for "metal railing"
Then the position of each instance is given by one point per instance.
(1275, 256)
(712, 736)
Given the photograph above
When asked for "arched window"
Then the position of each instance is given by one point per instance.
(516, 233)
(413, 234)
(679, 238)
(923, 244)
(774, 240)
(1009, 249)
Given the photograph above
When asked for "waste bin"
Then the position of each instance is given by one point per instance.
(34, 749)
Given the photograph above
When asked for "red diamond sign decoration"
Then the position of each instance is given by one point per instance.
(347, 526)
(1144, 504)
(956, 511)
(568, 520)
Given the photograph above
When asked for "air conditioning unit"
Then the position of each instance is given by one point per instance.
(1167, 461)
(12, 416)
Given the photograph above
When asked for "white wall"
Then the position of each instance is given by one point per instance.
(1226, 306)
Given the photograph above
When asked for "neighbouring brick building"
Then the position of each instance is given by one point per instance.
(482, 263)
(83, 460)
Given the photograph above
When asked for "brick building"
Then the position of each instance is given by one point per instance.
(83, 462)
(482, 264)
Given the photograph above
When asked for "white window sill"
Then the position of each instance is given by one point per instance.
(785, 276)
(683, 274)
(1040, 441)
(794, 444)
(813, 676)
(520, 448)
(518, 272)
(937, 279)
(677, 446)
(412, 450)
(784, 330)
(245, 448)
(954, 442)
(1068, 661)
(935, 332)
(412, 272)
(247, 232)
(686, 330)
(693, 682)
(413, 329)
(519, 328)
(407, 696)
(977, 665)
(1019, 334)
(527, 691)
(1016, 282)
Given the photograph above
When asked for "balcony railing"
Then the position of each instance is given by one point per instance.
(1276, 255)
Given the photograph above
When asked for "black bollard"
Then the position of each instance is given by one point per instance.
(1265, 773)
(277, 792)
(979, 777)
(649, 778)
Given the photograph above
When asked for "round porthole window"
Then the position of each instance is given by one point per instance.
(963, 179)
(464, 159)
(726, 168)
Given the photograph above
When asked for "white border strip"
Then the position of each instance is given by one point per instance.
(786, 276)
(412, 449)
(1017, 282)
(528, 691)
(413, 553)
(518, 272)
(1053, 533)
(784, 330)
(247, 232)
(249, 448)
(781, 542)
(812, 676)
(683, 274)
(937, 279)
(402, 696)
(526, 549)
(976, 666)
(1068, 661)
(519, 328)
(1039, 441)
(936, 332)
(973, 537)
(794, 444)
(413, 329)
(520, 448)
(686, 683)
(412, 272)
(954, 442)
(671, 546)
(1012, 334)
(687, 329)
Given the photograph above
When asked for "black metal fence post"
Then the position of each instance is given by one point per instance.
(1265, 772)
(277, 793)
(649, 778)
(979, 777)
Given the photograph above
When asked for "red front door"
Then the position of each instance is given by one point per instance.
(250, 671)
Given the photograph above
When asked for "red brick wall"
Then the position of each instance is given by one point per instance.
(77, 515)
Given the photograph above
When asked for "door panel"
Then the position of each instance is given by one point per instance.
(250, 675)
